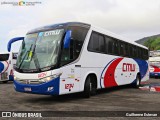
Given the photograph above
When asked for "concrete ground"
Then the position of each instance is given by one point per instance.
(124, 98)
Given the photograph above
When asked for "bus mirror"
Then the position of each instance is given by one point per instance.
(12, 41)
(67, 39)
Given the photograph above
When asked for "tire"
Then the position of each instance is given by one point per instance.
(89, 88)
(138, 81)
(5, 81)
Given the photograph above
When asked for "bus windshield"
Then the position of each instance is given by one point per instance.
(39, 51)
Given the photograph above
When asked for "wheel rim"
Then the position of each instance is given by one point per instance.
(90, 86)
(138, 81)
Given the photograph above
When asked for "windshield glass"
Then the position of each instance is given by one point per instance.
(40, 50)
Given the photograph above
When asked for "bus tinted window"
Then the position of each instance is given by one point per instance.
(122, 49)
(101, 43)
(96, 43)
(78, 37)
(4, 57)
(109, 45)
(116, 46)
(108, 48)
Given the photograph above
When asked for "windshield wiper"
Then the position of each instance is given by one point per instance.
(31, 53)
(36, 62)
(25, 56)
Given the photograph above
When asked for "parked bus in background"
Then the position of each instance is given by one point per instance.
(7, 63)
(154, 66)
(77, 57)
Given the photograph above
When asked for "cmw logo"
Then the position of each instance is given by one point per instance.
(55, 32)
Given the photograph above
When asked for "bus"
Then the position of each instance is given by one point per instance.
(154, 67)
(77, 57)
(7, 63)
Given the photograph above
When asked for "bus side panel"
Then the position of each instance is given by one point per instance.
(115, 71)
(4, 65)
(144, 69)
(70, 79)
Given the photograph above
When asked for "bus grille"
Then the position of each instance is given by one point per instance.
(30, 81)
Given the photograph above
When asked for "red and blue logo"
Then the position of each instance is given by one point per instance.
(121, 71)
(3, 67)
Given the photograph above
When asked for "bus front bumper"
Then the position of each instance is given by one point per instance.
(48, 88)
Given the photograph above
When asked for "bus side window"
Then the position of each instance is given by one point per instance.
(4, 57)
(124, 50)
(107, 48)
(101, 43)
(116, 46)
(130, 51)
(110, 46)
(97, 43)
(72, 53)
(121, 49)
(94, 43)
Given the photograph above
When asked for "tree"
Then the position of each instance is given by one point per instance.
(153, 43)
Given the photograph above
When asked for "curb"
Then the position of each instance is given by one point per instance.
(151, 88)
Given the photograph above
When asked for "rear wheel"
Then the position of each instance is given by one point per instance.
(138, 81)
(90, 87)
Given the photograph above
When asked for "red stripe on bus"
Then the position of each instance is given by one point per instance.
(109, 79)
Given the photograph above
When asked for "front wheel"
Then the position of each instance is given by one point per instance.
(90, 88)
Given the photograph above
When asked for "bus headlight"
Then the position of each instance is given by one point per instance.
(15, 78)
(49, 78)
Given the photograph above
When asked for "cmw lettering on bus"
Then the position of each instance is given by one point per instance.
(55, 32)
(128, 67)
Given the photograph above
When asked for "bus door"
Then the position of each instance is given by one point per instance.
(70, 79)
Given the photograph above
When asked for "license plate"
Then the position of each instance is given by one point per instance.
(27, 89)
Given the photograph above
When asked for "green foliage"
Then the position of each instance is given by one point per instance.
(153, 43)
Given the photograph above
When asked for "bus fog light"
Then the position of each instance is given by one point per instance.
(50, 88)
(48, 78)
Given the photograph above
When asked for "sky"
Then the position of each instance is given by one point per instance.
(132, 19)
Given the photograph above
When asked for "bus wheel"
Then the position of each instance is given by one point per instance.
(138, 81)
(5, 81)
(90, 87)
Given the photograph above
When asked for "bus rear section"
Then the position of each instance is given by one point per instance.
(7, 61)
(154, 71)
(154, 66)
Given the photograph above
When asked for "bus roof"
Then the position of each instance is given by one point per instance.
(53, 26)
(101, 30)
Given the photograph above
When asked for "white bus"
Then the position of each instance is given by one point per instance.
(77, 57)
(7, 63)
